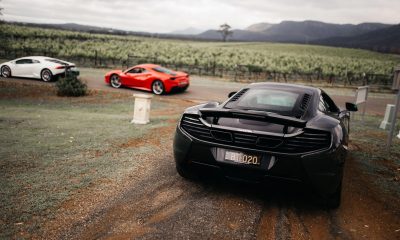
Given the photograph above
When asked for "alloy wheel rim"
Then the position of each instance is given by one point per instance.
(115, 82)
(5, 72)
(158, 87)
(46, 76)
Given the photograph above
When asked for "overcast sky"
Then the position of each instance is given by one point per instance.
(170, 15)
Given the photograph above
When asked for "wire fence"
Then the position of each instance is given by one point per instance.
(240, 73)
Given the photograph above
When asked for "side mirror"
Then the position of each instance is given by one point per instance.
(231, 94)
(351, 107)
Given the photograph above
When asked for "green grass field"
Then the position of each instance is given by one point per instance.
(368, 147)
(51, 148)
(282, 58)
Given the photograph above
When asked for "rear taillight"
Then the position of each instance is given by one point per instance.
(60, 67)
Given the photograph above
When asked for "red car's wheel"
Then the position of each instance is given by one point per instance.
(184, 88)
(158, 87)
(115, 81)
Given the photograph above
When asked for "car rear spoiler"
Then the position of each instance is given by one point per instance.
(253, 115)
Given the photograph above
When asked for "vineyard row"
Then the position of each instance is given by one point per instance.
(242, 73)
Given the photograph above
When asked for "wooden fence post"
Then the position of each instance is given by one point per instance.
(235, 69)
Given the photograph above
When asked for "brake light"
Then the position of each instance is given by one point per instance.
(60, 67)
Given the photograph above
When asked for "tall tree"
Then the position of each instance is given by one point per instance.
(225, 31)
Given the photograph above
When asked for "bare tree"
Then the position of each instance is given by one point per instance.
(225, 31)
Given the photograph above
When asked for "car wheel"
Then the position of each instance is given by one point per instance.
(185, 172)
(333, 201)
(157, 87)
(184, 88)
(5, 71)
(115, 81)
(46, 75)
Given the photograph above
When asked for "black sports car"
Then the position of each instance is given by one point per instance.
(268, 130)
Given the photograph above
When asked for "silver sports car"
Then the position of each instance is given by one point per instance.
(44, 68)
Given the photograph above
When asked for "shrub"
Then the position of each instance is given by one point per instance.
(71, 86)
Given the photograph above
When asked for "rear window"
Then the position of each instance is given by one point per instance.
(164, 70)
(270, 100)
(56, 61)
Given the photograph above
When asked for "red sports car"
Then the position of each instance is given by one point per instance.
(149, 77)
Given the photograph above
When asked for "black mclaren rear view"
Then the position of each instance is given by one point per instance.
(265, 131)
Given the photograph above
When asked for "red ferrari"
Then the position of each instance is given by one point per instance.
(149, 77)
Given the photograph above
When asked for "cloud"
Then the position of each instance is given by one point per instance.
(170, 15)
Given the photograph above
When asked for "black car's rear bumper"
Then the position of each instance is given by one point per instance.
(69, 72)
(323, 169)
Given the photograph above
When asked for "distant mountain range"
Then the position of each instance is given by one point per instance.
(188, 31)
(381, 40)
(373, 36)
(81, 28)
(296, 32)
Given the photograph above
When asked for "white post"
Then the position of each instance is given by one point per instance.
(388, 117)
(141, 113)
(396, 86)
(393, 121)
(361, 98)
(398, 136)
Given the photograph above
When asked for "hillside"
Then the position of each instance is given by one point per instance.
(372, 36)
(382, 40)
(290, 31)
(187, 31)
(280, 58)
(296, 32)
(259, 27)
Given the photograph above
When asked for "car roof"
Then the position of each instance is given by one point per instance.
(295, 87)
(41, 58)
(34, 57)
(147, 65)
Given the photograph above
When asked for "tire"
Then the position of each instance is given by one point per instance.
(333, 201)
(184, 88)
(5, 71)
(185, 171)
(115, 81)
(157, 87)
(46, 75)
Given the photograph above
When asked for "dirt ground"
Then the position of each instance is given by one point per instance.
(154, 202)
(162, 205)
